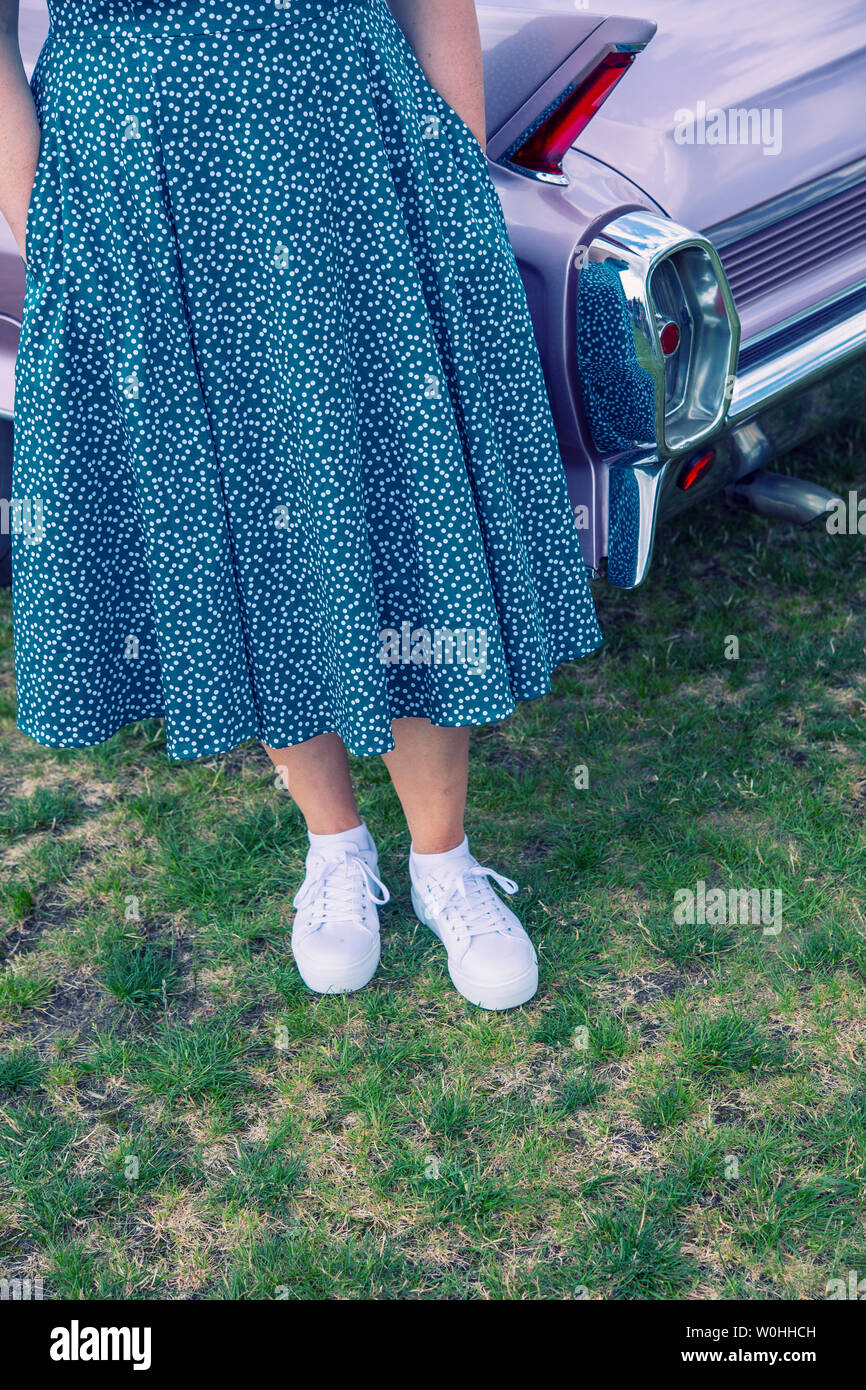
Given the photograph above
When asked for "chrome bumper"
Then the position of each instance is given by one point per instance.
(792, 357)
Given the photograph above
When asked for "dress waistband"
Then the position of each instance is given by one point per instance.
(167, 17)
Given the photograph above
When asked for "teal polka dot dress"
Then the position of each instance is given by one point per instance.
(280, 420)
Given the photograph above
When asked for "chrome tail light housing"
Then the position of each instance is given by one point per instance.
(658, 339)
(669, 291)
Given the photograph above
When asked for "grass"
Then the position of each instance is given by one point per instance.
(138, 975)
(678, 1114)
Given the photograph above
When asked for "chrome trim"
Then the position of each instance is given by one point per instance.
(802, 316)
(537, 175)
(637, 245)
(770, 381)
(796, 200)
(634, 493)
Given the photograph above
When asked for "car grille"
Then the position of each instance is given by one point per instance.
(770, 256)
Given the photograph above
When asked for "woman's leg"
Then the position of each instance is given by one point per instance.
(429, 767)
(316, 774)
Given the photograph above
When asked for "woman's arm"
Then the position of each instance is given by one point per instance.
(444, 36)
(19, 127)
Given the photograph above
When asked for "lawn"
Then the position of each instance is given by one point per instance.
(679, 1114)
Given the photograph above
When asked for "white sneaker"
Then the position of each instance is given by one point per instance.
(491, 960)
(335, 936)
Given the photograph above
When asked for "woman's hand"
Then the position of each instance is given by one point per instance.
(445, 38)
(19, 128)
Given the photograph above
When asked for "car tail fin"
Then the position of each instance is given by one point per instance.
(542, 124)
(543, 150)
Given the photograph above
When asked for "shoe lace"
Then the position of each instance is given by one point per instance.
(338, 882)
(468, 904)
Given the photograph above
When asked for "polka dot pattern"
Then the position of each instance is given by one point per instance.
(277, 390)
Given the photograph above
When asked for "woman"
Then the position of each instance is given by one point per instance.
(280, 404)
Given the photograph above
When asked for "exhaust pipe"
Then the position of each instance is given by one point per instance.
(795, 500)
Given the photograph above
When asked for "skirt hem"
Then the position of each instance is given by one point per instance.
(229, 744)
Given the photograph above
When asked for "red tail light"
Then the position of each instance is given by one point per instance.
(544, 150)
(669, 338)
(695, 468)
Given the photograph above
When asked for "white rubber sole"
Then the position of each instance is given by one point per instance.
(509, 994)
(339, 980)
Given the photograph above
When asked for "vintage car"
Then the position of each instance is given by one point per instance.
(686, 198)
